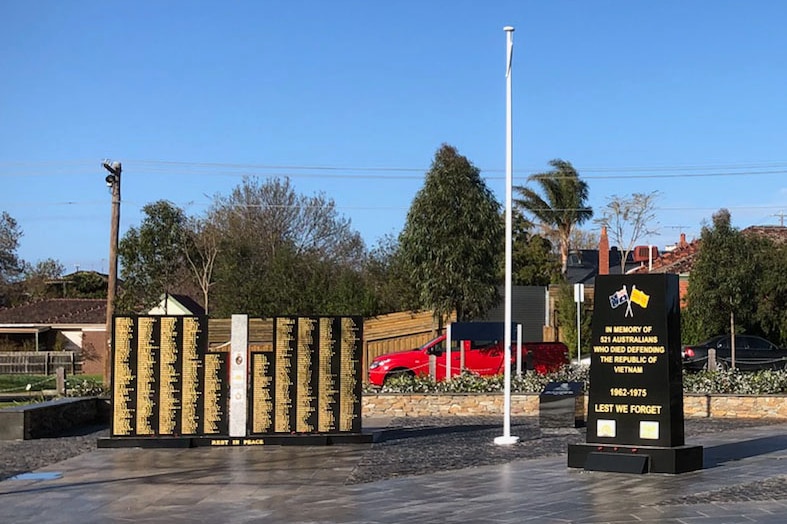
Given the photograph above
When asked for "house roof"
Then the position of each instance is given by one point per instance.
(777, 234)
(679, 261)
(57, 311)
(176, 304)
(189, 303)
(583, 265)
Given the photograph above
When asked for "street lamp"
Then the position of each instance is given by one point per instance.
(113, 182)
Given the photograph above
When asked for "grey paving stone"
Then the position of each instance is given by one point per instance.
(426, 470)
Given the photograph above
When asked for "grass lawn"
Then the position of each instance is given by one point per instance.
(19, 383)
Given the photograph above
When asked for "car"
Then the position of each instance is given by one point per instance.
(751, 353)
(481, 358)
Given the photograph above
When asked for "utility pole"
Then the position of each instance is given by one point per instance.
(113, 182)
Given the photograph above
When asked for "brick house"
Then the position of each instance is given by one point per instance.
(678, 260)
(73, 324)
(58, 324)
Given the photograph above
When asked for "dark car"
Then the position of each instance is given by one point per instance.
(751, 353)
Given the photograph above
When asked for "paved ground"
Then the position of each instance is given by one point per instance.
(426, 471)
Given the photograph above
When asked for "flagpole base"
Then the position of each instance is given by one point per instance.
(506, 441)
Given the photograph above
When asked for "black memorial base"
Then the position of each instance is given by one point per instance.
(630, 459)
(319, 439)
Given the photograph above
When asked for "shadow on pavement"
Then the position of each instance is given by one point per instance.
(717, 455)
(426, 431)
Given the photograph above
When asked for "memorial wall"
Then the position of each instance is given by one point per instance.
(166, 382)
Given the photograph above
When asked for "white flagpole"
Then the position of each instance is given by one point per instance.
(507, 438)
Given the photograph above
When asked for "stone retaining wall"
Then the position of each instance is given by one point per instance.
(470, 404)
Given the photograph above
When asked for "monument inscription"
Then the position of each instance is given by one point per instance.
(167, 383)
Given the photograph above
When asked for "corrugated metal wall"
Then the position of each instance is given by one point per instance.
(528, 307)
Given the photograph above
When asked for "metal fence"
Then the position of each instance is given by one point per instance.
(38, 362)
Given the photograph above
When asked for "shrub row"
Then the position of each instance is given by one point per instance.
(706, 382)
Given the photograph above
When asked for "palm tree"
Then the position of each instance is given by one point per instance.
(563, 204)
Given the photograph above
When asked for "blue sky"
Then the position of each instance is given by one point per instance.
(352, 98)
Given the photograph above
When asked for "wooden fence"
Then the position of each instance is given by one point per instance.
(381, 334)
(39, 362)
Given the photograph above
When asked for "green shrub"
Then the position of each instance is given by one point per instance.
(707, 382)
(736, 382)
(79, 386)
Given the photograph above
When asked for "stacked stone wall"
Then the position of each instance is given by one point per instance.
(472, 404)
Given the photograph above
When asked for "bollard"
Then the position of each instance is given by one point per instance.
(60, 380)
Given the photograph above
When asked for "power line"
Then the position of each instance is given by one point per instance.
(140, 205)
(179, 168)
(693, 167)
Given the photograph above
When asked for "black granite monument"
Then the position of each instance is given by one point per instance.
(635, 402)
(169, 389)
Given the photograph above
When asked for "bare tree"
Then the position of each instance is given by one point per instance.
(629, 219)
(201, 248)
(281, 252)
(584, 239)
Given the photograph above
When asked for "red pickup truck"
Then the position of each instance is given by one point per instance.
(482, 359)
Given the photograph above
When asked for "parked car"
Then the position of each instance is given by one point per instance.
(751, 353)
(482, 358)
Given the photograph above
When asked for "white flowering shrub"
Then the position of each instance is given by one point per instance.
(707, 382)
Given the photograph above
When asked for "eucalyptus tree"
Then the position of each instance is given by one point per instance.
(451, 241)
(152, 256)
(560, 205)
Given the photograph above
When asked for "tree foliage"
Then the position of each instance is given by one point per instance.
(152, 256)
(629, 219)
(561, 204)
(284, 253)
(533, 260)
(451, 240)
(566, 310)
(11, 266)
(38, 277)
(723, 281)
(771, 305)
(86, 284)
(386, 278)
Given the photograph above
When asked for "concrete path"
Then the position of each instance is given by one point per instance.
(744, 480)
